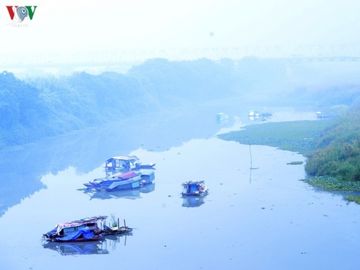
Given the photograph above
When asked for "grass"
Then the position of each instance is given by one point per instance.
(325, 143)
(298, 136)
(333, 184)
(353, 198)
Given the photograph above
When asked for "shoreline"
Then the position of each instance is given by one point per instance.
(299, 137)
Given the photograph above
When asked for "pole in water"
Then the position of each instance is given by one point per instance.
(124, 223)
(250, 156)
(118, 223)
(250, 177)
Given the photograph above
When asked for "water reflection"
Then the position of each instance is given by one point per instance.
(192, 201)
(232, 217)
(88, 248)
(126, 194)
(87, 149)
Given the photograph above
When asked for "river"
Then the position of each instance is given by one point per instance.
(260, 218)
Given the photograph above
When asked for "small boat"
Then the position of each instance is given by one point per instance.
(89, 247)
(194, 188)
(263, 116)
(123, 173)
(251, 114)
(87, 229)
(118, 181)
(222, 118)
(124, 164)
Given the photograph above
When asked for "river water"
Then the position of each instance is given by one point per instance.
(260, 218)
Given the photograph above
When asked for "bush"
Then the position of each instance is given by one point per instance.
(338, 150)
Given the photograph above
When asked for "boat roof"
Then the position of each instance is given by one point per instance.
(80, 222)
(128, 158)
(125, 175)
(193, 183)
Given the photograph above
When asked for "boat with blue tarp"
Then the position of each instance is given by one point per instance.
(123, 173)
(87, 229)
(118, 181)
(194, 188)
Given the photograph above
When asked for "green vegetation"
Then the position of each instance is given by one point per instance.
(353, 198)
(333, 184)
(299, 136)
(338, 150)
(332, 148)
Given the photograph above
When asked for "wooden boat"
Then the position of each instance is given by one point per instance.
(119, 181)
(194, 188)
(123, 164)
(123, 173)
(87, 229)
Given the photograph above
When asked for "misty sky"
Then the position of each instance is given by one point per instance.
(105, 31)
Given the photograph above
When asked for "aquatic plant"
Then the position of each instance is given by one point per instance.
(332, 147)
(353, 198)
(298, 136)
(333, 184)
(337, 153)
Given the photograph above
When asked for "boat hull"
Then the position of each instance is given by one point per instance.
(194, 194)
(142, 178)
(116, 184)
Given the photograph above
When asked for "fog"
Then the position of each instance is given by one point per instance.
(112, 33)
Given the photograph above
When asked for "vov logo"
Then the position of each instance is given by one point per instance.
(21, 12)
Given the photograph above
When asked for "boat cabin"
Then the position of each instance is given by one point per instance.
(121, 164)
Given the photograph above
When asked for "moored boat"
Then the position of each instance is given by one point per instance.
(194, 188)
(87, 229)
(119, 181)
(123, 173)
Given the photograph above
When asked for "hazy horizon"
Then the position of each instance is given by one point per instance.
(107, 33)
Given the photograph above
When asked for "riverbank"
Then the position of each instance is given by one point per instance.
(331, 148)
(296, 136)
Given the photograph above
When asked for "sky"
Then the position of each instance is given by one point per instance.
(105, 32)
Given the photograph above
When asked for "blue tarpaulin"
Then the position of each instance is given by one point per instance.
(86, 234)
(193, 188)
